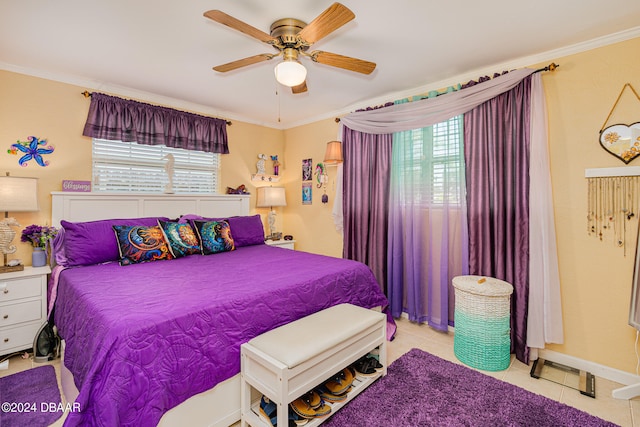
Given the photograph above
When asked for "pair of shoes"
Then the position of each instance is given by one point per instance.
(329, 396)
(310, 406)
(313, 399)
(341, 382)
(367, 366)
(269, 411)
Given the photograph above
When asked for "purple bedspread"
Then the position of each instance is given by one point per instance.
(143, 338)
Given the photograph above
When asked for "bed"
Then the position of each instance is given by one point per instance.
(159, 341)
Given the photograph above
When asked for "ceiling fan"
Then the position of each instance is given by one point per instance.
(292, 39)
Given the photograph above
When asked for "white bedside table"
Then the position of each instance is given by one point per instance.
(287, 244)
(23, 307)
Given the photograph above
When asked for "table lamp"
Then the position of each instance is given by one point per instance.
(270, 197)
(17, 194)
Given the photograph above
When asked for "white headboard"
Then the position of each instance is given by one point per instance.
(78, 207)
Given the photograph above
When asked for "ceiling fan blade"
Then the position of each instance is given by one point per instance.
(238, 25)
(301, 88)
(345, 62)
(243, 62)
(327, 22)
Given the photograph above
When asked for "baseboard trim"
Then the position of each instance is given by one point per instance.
(611, 374)
(606, 372)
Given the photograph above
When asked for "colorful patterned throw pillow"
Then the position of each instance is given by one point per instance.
(141, 244)
(181, 237)
(215, 236)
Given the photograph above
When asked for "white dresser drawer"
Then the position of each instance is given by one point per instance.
(14, 289)
(20, 338)
(13, 314)
(23, 297)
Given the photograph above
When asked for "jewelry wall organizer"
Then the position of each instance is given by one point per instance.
(613, 204)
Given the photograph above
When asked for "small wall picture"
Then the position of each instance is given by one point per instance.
(307, 172)
(307, 193)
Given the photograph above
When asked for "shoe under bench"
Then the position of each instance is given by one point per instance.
(286, 362)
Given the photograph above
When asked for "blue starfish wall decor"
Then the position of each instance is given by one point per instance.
(33, 149)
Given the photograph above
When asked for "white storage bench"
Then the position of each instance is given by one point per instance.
(286, 362)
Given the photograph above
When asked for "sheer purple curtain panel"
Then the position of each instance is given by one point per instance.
(497, 140)
(119, 119)
(428, 242)
(366, 171)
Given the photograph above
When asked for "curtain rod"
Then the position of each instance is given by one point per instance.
(550, 67)
(88, 94)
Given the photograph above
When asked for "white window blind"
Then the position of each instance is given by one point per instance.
(128, 166)
(447, 161)
(434, 162)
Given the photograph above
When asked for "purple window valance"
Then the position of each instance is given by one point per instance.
(119, 119)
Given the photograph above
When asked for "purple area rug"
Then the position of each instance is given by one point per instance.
(423, 390)
(30, 398)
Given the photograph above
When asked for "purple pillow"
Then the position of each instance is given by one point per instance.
(57, 248)
(93, 242)
(191, 217)
(247, 230)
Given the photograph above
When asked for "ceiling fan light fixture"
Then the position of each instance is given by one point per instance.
(290, 73)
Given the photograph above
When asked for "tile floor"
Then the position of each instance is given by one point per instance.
(625, 413)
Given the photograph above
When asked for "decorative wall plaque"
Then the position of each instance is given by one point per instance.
(621, 140)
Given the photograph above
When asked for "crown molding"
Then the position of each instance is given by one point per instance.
(127, 92)
(521, 62)
(143, 96)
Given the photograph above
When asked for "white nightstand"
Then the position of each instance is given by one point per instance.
(287, 244)
(23, 307)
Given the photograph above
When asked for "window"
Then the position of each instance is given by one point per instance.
(128, 166)
(432, 160)
(447, 162)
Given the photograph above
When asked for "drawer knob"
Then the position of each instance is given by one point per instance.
(6, 340)
(6, 291)
(6, 316)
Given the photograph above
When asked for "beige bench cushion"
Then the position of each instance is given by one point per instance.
(299, 341)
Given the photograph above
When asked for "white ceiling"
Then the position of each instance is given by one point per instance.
(162, 51)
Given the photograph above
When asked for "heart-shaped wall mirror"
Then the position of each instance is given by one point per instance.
(622, 141)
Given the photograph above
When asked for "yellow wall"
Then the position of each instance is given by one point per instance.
(595, 276)
(311, 225)
(53, 111)
(57, 112)
(246, 141)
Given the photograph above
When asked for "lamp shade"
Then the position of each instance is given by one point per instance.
(271, 196)
(333, 155)
(290, 73)
(18, 194)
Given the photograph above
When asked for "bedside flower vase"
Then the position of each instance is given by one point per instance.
(38, 257)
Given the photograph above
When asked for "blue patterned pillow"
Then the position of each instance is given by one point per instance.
(215, 236)
(181, 238)
(141, 244)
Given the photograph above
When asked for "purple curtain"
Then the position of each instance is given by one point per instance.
(365, 199)
(119, 119)
(497, 138)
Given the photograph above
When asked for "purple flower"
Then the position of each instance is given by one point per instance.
(38, 236)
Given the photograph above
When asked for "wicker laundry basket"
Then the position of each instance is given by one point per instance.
(482, 337)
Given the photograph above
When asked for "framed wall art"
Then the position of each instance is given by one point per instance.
(307, 170)
(307, 193)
